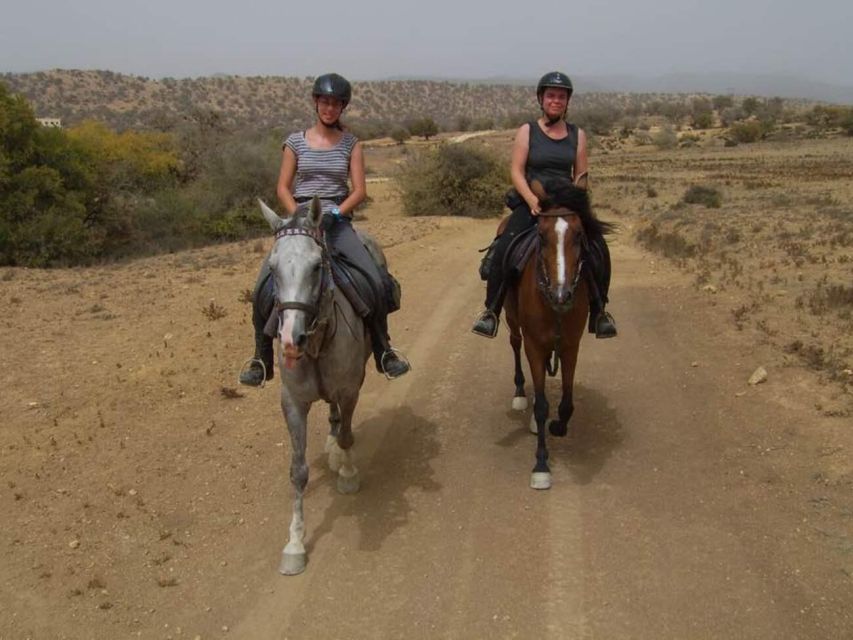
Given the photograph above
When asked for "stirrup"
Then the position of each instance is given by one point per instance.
(604, 316)
(400, 357)
(247, 365)
(485, 316)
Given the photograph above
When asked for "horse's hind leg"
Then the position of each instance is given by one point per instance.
(332, 448)
(348, 478)
(293, 557)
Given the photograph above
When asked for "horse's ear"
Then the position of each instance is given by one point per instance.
(315, 213)
(271, 216)
(538, 190)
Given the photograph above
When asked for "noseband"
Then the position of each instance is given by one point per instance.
(543, 281)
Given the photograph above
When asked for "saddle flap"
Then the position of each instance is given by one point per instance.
(520, 249)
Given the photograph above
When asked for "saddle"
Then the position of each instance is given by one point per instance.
(353, 283)
(519, 251)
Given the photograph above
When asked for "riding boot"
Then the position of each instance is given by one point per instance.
(600, 321)
(487, 324)
(260, 367)
(388, 360)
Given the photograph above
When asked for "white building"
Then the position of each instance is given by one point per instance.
(50, 122)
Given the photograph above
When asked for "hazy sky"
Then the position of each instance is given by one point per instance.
(368, 39)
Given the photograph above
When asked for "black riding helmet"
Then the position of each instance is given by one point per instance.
(555, 80)
(331, 84)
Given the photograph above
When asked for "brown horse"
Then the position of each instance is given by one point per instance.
(547, 308)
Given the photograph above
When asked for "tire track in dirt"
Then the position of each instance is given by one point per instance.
(466, 546)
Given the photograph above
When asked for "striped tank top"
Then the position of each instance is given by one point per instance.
(321, 172)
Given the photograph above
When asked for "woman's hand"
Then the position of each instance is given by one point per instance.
(535, 207)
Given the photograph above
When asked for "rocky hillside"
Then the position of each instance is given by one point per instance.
(126, 101)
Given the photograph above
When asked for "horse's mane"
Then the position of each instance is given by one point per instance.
(561, 192)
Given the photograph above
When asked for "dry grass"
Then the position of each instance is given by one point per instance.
(780, 243)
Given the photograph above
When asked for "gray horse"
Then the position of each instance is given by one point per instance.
(323, 350)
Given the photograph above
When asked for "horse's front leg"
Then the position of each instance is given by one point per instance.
(572, 331)
(293, 557)
(348, 478)
(519, 400)
(568, 360)
(332, 448)
(541, 476)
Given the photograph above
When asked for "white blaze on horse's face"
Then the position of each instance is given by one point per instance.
(561, 228)
(296, 264)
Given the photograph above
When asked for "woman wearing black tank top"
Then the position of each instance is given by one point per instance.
(546, 148)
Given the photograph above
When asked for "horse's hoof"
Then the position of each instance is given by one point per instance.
(540, 480)
(534, 428)
(348, 483)
(292, 564)
(519, 403)
(559, 429)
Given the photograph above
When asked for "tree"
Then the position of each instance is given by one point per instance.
(45, 191)
(723, 102)
(750, 106)
(400, 134)
(425, 127)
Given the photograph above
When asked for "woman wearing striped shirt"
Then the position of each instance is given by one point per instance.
(322, 161)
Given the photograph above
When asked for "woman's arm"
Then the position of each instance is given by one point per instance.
(518, 161)
(581, 164)
(285, 181)
(359, 185)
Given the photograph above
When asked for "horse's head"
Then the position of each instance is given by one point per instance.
(297, 263)
(562, 243)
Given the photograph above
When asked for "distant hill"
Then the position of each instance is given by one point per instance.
(273, 102)
(743, 84)
(739, 84)
(126, 101)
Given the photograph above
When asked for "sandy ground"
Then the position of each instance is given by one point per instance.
(139, 501)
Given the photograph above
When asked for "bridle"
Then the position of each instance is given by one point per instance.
(543, 280)
(312, 309)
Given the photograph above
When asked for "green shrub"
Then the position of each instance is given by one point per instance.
(749, 131)
(710, 197)
(46, 191)
(669, 243)
(454, 179)
(666, 138)
(847, 123)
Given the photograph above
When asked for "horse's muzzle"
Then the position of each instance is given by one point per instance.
(562, 302)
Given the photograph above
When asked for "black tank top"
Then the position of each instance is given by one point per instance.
(549, 158)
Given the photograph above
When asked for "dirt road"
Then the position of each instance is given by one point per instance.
(139, 501)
